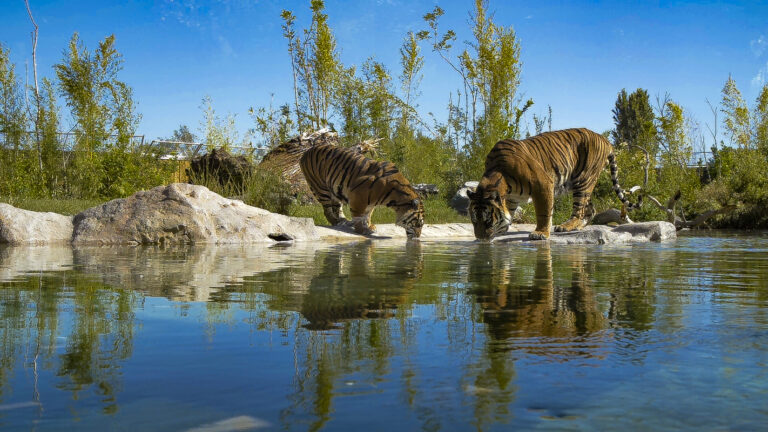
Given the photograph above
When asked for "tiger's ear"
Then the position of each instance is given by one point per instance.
(416, 203)
(471, 194)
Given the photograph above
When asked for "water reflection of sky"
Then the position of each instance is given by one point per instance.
(386, 335)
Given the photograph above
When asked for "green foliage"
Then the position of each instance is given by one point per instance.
(634, 118)
(490, 69)
(736, 121)
(217, 132)
(760, 120)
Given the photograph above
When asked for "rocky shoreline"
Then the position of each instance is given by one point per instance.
(181, 213)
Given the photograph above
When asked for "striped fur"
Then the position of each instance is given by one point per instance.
(538, 169)
(339, 176)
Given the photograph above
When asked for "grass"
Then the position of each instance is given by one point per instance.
(62, 206)
(436, 211)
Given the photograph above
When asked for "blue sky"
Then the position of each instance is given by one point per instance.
(576, 54)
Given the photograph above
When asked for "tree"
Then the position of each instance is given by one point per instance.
(760, 120)
(13, 117)
(633, 117)
(315, 66)
(217, 132)
(490, 70)
(736, 121)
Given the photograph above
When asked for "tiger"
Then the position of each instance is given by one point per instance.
(339, 176)
(538, 169)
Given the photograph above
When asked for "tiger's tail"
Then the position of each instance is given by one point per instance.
(617, 188)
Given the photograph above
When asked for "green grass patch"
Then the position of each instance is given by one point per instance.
(61, 206)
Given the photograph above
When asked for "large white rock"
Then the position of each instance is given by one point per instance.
(181, 213)
(24, 227)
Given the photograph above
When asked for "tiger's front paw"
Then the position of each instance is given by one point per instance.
(538, 235)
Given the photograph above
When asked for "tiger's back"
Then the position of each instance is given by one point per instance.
(339, 176)
(540, 168)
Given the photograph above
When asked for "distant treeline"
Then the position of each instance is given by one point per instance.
(659, 145)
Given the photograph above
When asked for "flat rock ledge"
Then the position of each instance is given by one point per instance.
(181, 213)
(642, 232)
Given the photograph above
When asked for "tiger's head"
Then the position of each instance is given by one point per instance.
(489, 214)
(410, 214)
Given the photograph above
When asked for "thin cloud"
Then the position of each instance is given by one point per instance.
(761, 77)
(759, 45)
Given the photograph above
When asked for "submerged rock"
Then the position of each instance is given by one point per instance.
(19, 227)
(182, 213)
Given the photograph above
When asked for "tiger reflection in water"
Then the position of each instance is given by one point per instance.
(358, 282)
(514, 306)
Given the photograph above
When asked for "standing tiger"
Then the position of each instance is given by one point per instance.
(337, 175)
(540, 168)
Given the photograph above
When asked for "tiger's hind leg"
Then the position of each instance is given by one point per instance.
(334, 213)
(361, 214)
(331, 206)
(582, 210)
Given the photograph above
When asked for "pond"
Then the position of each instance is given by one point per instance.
(387, 335)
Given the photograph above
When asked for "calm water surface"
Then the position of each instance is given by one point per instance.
(387, 336)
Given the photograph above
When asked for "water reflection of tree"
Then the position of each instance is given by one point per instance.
(99, 338)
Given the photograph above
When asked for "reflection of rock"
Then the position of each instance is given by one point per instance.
(19, 226)
(191, 273)
(21, 260)
(183, 213)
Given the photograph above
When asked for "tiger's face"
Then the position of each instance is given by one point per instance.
(410, 215)
(489, 215)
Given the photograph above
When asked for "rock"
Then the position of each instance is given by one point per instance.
(426, 190)
(222, 166)
(19, 227)
(182, 213)
(649, 231)
(611, 215)
(460, 201)
(642, 232)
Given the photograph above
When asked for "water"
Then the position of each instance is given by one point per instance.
(387, 336)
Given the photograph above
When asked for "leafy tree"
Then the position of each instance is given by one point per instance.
(633, 117)
(490, 69)
(217, 132)
(760, 120)
(736, 121)
(676, 151)
(315, 66)
(13, 116)
(275, 126)
(14, 168)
